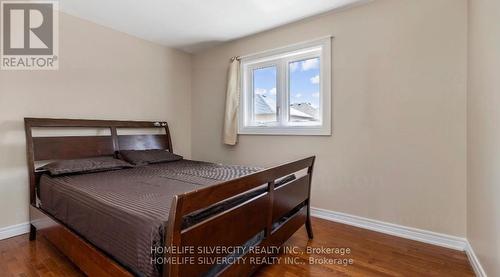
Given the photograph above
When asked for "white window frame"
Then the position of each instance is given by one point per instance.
(281, 57)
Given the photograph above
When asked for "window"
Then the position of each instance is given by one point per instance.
(287, 91)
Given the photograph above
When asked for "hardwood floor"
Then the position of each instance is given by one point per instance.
(372, 254)
(21, 257)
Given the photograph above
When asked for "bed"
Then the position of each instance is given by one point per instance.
(114, 223)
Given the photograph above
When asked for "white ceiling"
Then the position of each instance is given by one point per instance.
(192, 25)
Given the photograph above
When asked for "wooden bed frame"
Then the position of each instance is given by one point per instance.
(231, 227)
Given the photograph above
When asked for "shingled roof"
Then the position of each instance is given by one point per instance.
(266, 105)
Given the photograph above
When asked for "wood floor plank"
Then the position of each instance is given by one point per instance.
(373, 254)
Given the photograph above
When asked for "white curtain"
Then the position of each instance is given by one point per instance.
(230, 135)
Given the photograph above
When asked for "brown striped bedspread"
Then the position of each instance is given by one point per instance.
(124, 212)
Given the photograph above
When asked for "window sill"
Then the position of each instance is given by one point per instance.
(287, 131)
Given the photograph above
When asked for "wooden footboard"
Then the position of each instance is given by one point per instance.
(267, 220)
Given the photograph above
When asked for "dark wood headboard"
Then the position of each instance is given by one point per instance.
(74, 147)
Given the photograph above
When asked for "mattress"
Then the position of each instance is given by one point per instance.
(124, 212)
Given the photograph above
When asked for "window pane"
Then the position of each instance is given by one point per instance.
(304, 90)
(264, 95)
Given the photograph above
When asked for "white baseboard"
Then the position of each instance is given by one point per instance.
(474, 261)
(439, 239)
(14, 230)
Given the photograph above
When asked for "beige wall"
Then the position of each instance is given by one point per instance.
(398, 149)
(103, 74)
(398, 144)
(483, 206)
